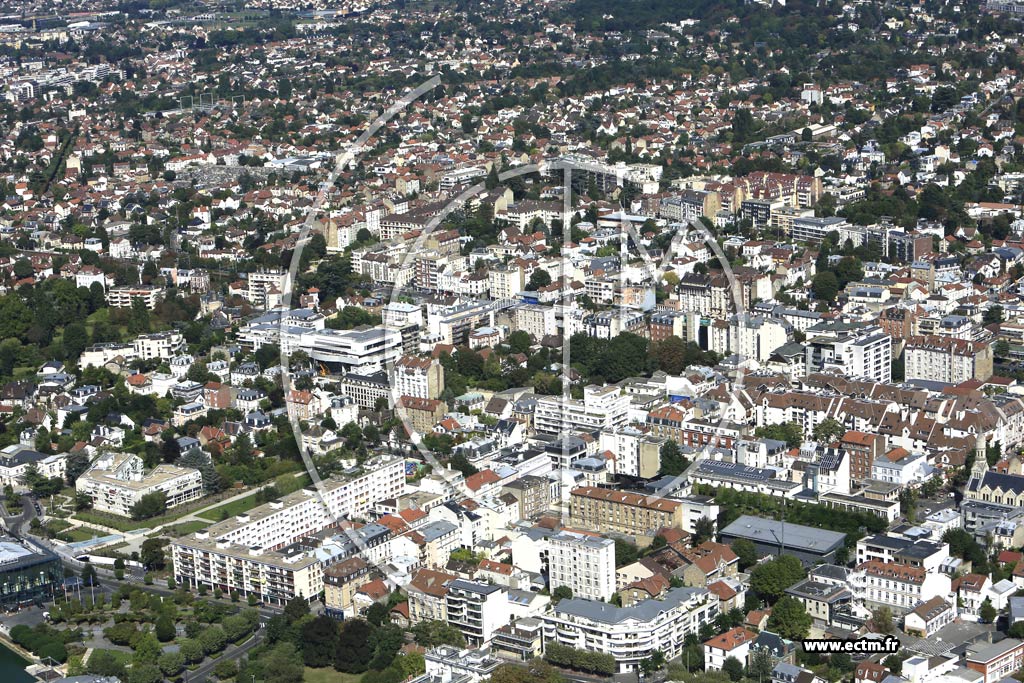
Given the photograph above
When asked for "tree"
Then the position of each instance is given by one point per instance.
(377, 613)
(74, 339)
(761, 664)
(625, 552)
(828, 431)
(790, 432)
(992, 315)
(881, 620)
(282, 664)
(433, 633)
(191, 650)
(538, 278)
(171, 663)
(789, 618)
(771, 579)
(653, 663)
(213, 639)
(518, 342)
(352, 656)
(164, 629)
(145, 673)
(296, 608)
(746, 551)
(150, 505)
(385, 641)
(152, 554)
(237, 627)
(733, 668)
(703, 530)
(147, 649)
(105, 663)
(987, 613)
(561, 593)
(671, 458)
(825, 286)
(537, 671)
(319, 639)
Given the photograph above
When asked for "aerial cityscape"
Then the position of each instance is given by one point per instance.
(346, 341)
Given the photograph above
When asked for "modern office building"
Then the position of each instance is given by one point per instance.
(28, 574)
(363, 350)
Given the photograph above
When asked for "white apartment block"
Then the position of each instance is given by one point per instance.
(584, 563)
(601, 408)
(245, 553)
(948, 360)
(536, 320)
(117, 481)
(418, 377)
(162, 345)
(755, 338)
(631, 634)
(636, 453)
(864, 353)
(898, 586)
(505, 282)
(125, 297)
(398, 314)
(477, 609)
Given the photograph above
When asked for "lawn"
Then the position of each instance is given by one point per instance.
(82, 533)
(185, 528)
(125, 523)
(328, 675)
(231, 509)
(119, 655)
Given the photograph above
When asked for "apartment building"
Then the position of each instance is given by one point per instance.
(427, 593)
(637, 454)
(947, 359)
(505, 281)
(125, 297)
(862, 449)
(631, 634)
(898, 586)
(584, 563)
(929, 617)
(532, 494)
(610, 510)
(690, 205)
(341, 581)
(536, 320)
(418, 377)
(601, 408)
(253, 552)
(117, 481)
(855, 351)
(477, 609)
(421, 413)
(162, 345)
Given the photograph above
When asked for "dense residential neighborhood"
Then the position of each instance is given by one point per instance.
(512, 342)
